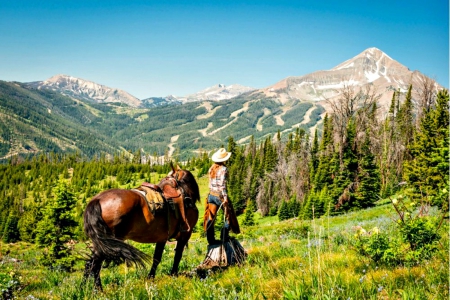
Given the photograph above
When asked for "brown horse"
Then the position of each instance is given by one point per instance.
(116, 215)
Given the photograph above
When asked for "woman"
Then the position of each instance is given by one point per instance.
(217, 197)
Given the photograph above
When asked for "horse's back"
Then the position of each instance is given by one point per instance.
(119, 208)
(127, 214)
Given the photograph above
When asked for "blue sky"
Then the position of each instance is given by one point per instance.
(157, 48)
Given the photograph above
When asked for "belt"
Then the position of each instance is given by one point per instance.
(215, 194)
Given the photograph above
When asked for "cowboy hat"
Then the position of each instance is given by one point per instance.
(221, 155)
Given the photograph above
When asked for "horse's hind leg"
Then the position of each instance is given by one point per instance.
(178, 254)
(157, 255)
(92, 268)
(87, 270)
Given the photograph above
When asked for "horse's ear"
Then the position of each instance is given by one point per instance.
(178, 167)
(173, 169)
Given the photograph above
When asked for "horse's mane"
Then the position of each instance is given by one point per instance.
(190, 185)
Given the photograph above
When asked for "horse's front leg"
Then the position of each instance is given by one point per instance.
(157, 255)
(178, 254)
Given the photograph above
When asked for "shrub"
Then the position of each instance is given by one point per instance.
(414, 239)
(9, 284)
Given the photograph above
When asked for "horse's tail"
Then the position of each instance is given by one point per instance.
(106, 245)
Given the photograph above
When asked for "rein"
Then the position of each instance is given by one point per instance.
(215, 217)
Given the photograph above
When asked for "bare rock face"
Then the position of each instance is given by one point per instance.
(371, 67)
(86, 90)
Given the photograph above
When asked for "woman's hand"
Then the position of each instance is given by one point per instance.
(225, 201)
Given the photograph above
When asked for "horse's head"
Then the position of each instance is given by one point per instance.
(186, 180)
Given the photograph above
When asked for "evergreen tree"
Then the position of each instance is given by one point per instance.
(27, 224)
(249, 217)
(314, 153)
(270, 155)
(389, 156)
(343, 186)
(406, 123)
(57, 227)
(323, 175)
(369, 179)
(236, 180)
(257, 173)
(283, 213)
(11, 231)
(294, 207)
(308, 210)
(326, 203)
(427, 172)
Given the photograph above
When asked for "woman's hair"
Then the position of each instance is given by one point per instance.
(214, 168)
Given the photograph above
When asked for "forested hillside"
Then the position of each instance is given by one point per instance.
(38, 121)
(357, 160)
(35, 121)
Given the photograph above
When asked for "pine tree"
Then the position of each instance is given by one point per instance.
(27, 224)
(283, 213)
(270, 156)
(57, 227)
(11, 231)
(308, 210)
(406, 123)
(294, 207)
(326, 203)
(343, 186)
(236, 179)
(427, 172)
(323, 174)
(369, 178)
(389, 158)
(249, 216)
(314, 153)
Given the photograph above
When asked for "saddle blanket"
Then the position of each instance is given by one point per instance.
(154, 198)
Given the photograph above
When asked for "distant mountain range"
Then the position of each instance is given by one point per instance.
(93, 118)
(82, 89)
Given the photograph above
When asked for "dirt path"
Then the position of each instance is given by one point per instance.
(223, 127)
(204, 130)
(307, 117)
(210, 111)
(278, 118)
(259, 126)
(313, 128)
(173, 140)
(235, 113)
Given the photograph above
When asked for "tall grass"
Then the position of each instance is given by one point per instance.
(293, 259)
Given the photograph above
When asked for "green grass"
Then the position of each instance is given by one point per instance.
(293, 259)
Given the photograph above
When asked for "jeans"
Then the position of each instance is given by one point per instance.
(214, 200)
(224, 232)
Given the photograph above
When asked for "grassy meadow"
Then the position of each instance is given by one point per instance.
(293, 259)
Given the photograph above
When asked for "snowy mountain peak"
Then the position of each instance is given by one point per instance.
(86, 90)
(370, 67)
(219, 92)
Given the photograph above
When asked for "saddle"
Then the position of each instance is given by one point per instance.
(157, 197)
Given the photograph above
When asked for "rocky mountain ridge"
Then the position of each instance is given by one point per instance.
(82, 89)
(371, 67)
